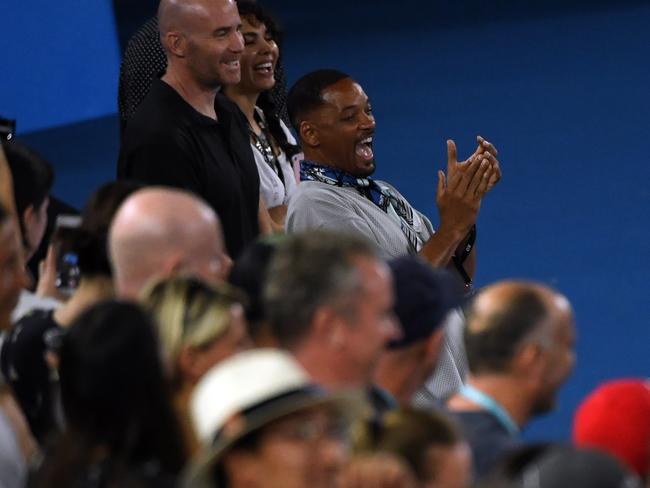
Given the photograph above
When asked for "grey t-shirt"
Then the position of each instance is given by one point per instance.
(317, 205)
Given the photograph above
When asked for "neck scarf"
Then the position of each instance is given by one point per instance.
(382, 196)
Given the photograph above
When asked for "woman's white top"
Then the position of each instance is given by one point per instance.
(273, 191)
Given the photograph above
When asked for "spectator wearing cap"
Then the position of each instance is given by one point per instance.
(264, 423)
(615, 418)
(520, 347)
(329, 301)
(423, 298)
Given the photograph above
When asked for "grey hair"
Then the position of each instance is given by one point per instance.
(307, 272)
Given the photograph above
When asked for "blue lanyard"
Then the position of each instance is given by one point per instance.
(491, 405)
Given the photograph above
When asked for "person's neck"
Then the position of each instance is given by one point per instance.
(90, 292)
(200, 97)
(505, 390)
(182, 396)
(246, 102)
(396, 373)
(330, 374)
(315, 156)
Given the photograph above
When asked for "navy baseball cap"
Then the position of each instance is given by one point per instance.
(424, 295)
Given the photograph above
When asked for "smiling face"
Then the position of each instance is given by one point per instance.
(340, 132)
(210, 42)
(259, 57)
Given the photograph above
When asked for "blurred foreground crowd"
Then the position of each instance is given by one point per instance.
(246, 306)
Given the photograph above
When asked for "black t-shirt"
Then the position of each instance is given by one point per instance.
(167, 142)
(23, 365)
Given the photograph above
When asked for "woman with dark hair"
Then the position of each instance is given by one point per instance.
(273, 145)
(120, 424)
(23, 352)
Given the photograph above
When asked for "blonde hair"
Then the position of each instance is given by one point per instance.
(189, 312)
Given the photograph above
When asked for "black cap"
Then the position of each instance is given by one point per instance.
(423, 298)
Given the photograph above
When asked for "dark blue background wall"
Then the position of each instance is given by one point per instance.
(560, 87)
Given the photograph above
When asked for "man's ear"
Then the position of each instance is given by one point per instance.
(309, 134)
(176, 43)
(530, 361)
(329, 327)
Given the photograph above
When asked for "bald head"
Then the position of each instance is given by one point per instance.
(158, 232)
(508, 314)
(178, 15)
(203, 42)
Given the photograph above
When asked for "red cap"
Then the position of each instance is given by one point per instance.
(616, 418)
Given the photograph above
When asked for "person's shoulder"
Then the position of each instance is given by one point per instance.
(161, 110)
(33, 325)
(226, 107)
(317, 191)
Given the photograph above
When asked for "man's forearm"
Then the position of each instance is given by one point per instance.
(440, 248)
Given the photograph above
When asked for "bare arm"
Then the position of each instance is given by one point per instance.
(268, 225)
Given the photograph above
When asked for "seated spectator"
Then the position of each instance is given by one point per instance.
(120, 424)
(159, 232)
(22, 358)
(272, 143)
(329, 301)
(249, 274)
(32, 181)
(423, 298)
(265, 424)
(520, 346)
(333, 118)
(615, 418)
(428, 442)
(17, 446)
(198, 326)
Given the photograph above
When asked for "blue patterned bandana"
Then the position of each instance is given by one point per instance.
(382, 196)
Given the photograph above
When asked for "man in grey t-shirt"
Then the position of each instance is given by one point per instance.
(334, 122)
(335, 125)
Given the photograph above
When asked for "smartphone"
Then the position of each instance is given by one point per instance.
(67, 261)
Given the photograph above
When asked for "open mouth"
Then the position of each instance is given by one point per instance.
(363, 149)
(264, 68)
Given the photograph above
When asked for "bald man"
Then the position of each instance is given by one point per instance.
(187, 135)
(520, 347)
(158, 232)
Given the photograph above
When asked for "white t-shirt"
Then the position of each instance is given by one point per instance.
(273, 191)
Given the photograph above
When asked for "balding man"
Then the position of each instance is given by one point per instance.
(520, 347)
(159, 232)
(184, 133)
